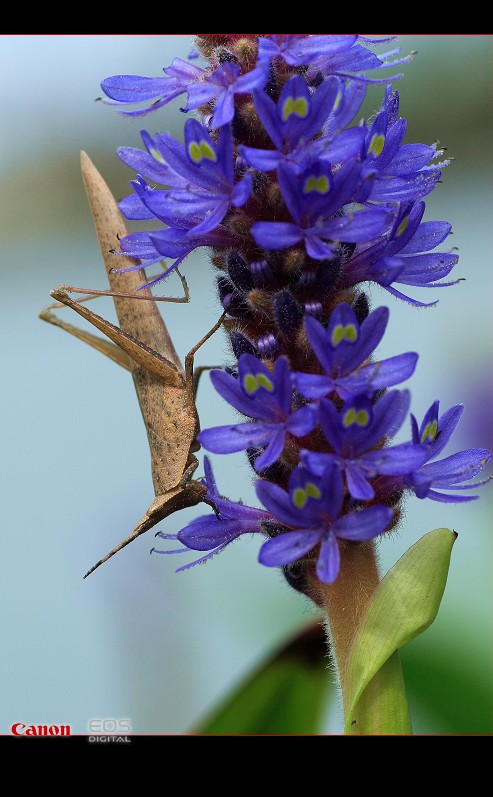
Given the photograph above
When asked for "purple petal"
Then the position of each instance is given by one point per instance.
(230, 439)
(428, 235)
(276, 234)
(450, 499)
(313, 386)
(264, 159)
(279, 504)
(302, 421)
(370, 335)
(231, 391)
(329, 559)
(207, 532)
(318, 338)
(384, 373)
(329, 421)
(356, 227)
(288, 547)
(210, 478)
(447, 424)
(365, 524)
(267, 112)
(273, 450)
(358, 486)
(242, 191)
(134, 88)
(396, 460)
(457, 468)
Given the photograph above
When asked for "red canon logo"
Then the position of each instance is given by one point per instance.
(19, 729)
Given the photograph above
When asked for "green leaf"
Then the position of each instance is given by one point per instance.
(405, 603)
(287, 694)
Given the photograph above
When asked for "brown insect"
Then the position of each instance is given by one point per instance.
(142, 344)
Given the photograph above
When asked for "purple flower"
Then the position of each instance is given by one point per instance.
(403, 255)
(312, 511)
(266, 397)
(342, 349)
(222, 85)
(449, 473)
(131, 89)
(175, 242)
(315, 200)
(328, 54)
(213, 532)
(296, 119)
(210, 188)
(355, 59)
(397, 172)
(355, 431)
(445, 474)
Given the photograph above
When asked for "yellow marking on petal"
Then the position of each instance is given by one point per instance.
(429, 432)
(299, 497)
(319, 184)
(157, 155)
(377, 144)
(340, 332)
(264, 381)
(250, 384)
(337, 100)
(402, 226)
(312, 490)
(200, 151)
(362, 418)
(349, 417)
(295, 105)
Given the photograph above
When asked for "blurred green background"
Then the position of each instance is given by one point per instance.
(136, 640)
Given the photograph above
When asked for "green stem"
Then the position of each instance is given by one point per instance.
(345, 602)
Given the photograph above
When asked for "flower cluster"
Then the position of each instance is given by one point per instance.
(300, 206)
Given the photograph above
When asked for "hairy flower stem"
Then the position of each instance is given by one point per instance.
(345, 602)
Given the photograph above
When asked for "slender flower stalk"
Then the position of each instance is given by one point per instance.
(301, 203)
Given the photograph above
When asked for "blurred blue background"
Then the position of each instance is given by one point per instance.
(136, 640)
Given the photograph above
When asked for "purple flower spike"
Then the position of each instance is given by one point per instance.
(301, 201)
(266, 397)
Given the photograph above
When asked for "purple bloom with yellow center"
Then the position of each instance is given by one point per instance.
(449, 473)
(395, 171)
(343, 347)
(353, 434)
(266, 397)
(311, 511)
(208, 169)
(297, 117)
(315, 200)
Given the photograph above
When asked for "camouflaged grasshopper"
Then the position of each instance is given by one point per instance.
(142, 344)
